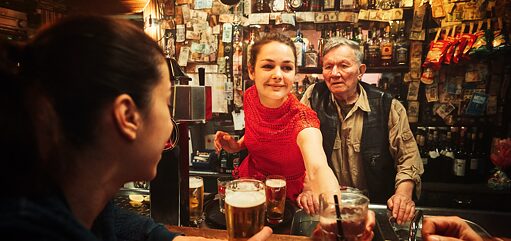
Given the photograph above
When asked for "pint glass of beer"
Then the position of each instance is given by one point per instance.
(245, 207)
(275, 198)
(196, 195)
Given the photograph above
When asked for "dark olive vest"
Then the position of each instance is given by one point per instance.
(379, 166)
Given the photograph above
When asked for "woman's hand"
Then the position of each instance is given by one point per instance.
(224, 140)
(308, 202)
(264, 234)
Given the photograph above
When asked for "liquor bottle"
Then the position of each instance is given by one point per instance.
(300, 49)
(311, 57)
(401, 49)
(357, 34)
(371, 4)
(435, 162)
(362, 39)
(484, 150)
(348, 4)
(449, 154)
(315, 5)
(329, 5)
(261, 6)
(386, 48)
(223, 162)
(321, 42)
(460, 158)
(373, 50)
(474, 155)
(443, 147)
(421, 143)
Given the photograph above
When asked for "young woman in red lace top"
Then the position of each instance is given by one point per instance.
(281, 134)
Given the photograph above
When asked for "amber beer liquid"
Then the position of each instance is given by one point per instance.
(245, 208)
(275, 199)
(196, 199)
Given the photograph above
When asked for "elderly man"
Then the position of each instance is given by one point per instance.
(366, 135)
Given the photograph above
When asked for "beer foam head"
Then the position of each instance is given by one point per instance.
(195, 182)
(275, 183)
(245, 199)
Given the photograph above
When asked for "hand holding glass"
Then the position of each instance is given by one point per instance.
(344, 219)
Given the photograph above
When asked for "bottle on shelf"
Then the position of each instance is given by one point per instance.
(300, 49)
(315, 5)
(474, 157)
(435, 160)
(348, 4)
(328, 5)
(460, 158)
(321, 42)
(449, 154)
(483, 148)
(261, 6)
(386, 48)
(401, 49)
(223, 162)
(373, 49)
(421, 144)
(311, 57)
(371, 4)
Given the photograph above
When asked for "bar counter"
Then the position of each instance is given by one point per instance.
(222, 234)
(496, 224)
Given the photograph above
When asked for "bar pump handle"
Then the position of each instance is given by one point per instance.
(202, 76)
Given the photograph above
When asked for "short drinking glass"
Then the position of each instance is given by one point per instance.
(342, 215)
(221, 183)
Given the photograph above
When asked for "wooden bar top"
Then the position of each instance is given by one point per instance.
(222, 234)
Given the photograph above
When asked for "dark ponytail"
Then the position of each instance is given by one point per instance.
(20, 159)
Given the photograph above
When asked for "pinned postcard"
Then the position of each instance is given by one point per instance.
(239, 120)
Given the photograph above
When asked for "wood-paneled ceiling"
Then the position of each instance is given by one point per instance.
(106, 6)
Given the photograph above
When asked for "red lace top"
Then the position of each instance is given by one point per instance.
(270, 137)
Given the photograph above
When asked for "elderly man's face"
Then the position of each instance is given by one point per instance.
(341, 70)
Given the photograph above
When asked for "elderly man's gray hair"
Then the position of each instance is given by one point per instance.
(335, 42)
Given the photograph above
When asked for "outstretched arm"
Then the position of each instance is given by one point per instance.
(320, 177)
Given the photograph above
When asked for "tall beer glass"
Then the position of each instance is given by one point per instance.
(275, 198)
(196, 195)
(245, 207)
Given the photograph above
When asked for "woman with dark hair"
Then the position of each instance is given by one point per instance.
(94, 95)
(281, 134)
